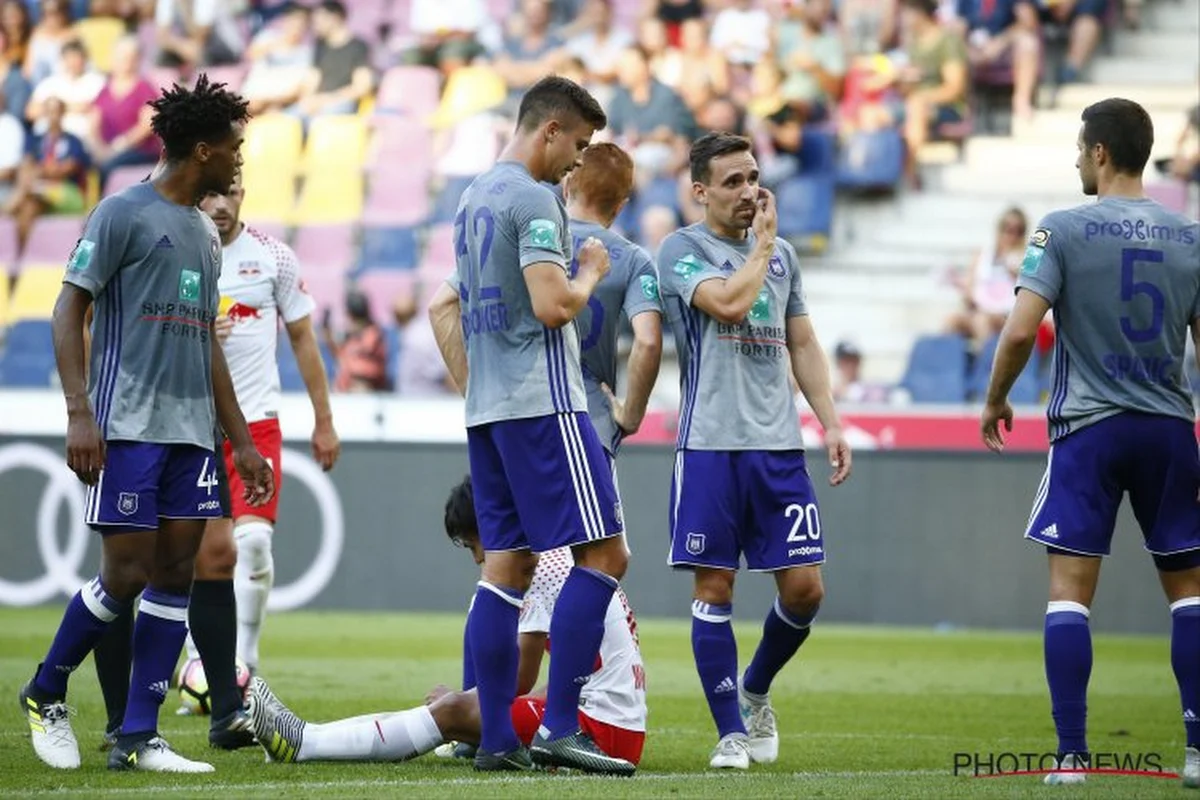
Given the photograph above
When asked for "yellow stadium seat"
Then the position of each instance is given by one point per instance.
(366, 106)
(270, 194)
(337, 142)
(330, 197)
(99, 35)
(37, 290)
(274, 141)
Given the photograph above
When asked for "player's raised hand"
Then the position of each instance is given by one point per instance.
(839, 455)
(257, 475)
(223, 326)
(627, 426)
(989, 424)
(326, 447)
(766, 220)
(85, 446)
(593, 258)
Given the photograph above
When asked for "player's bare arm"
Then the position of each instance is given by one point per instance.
(254, 469)
(644, 360)
(1012, 354)
(810, 367)
(729, 300)
(558, 299)
(445, 315)
(531, 646)
(85, 446)
(325, 445)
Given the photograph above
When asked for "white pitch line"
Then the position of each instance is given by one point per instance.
(202, 786)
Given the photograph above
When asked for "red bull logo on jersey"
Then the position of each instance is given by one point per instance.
(240, 311)
(248, 269)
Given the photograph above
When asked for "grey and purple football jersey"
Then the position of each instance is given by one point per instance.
(630, 288)
(735, 379)
(1123, 278)
(151, 267)
(518, 368)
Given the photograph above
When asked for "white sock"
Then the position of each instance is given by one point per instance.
(252, 580)
(192, 652)
(396, 736)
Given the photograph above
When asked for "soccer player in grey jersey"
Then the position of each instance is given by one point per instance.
(1122, 276)
(732, 294)
(539, 471)
(141, 434)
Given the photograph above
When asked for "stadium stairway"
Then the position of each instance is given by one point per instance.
(882, 282)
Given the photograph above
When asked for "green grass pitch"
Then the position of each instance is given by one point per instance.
(864, 713)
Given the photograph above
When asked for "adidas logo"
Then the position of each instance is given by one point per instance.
(160, 688)
(164, 242)
(1050, 531)
(1189, 715)
(726, 685)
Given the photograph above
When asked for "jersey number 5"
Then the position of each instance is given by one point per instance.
(1132, 288)
(807, 524)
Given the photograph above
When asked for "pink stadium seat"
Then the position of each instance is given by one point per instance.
(409, 90)
(381, 288)
(1172, 194)
(232, 76)
(367, 18)
(326, 248)
(51, 240)
(124, 177)
(433, 272)
(8, 243)
(401, 200)
(163, 77)
(439, 247)
(328, 290)
(401, 141)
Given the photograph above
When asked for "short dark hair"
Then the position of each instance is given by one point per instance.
(74, 46)
(205, 113)
(460, 512)
(555, 95)
(927, 7)
(338, 9)
(1125, 130)
(713, 145)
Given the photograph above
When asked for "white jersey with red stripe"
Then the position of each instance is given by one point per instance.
(261, 276)
(615, 693)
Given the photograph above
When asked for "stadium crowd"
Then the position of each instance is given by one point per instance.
(371, 117)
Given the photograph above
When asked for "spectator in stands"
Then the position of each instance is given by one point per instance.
(1185, 164)
(848, 385)
(600, 45)
(421, 371)
(362, 353)
(989, 283)
(933, 82)
(867, 26)
(75, 85)
(673, 13)
(648, 119)
(1084, 20)
(52, 175)
(12, 151)
(530, 50)
(13, 85)
(281, 58)
(197, 33)
(812, 58)
(341, 76)
(46, 40)
(18, 28)
(741, 33)
(696, 71)
(121, 134)
(449, 32)
(1004, 35)
(777, 128)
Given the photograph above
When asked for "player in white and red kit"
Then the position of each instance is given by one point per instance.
(612, 704)
(260, 287)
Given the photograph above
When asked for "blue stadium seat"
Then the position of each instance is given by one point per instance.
(818, 151)
(1026, 391)
(805, 206)
(392, 336)
(31, 336)
(937, 370)
(388, 248)
(290, 379)
(25, 371)
(871, 161)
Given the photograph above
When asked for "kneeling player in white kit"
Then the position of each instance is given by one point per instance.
(260, 285)
(612, 705)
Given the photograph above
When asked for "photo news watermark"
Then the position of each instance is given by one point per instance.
(1004, 765)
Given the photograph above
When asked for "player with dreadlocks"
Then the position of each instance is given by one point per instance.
(140, 426)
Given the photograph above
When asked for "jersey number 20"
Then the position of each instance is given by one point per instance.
(807, 524)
